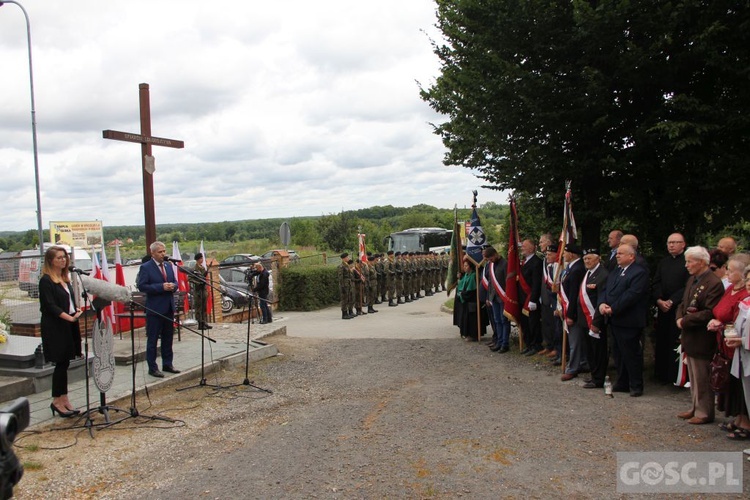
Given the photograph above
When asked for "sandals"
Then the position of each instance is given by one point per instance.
(728, 427)
(739, 434)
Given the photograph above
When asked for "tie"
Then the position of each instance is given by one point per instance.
(163, 271)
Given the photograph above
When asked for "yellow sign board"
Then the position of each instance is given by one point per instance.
(83, 234)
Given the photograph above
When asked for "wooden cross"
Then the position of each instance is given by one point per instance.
(146, 140)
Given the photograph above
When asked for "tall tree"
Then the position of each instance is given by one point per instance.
(641, 103)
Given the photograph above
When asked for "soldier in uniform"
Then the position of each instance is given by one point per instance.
(380, 279)
(359, 289)
(200, 297)
(352, 289)
(399, 268)
(372, 285)
(345, 278)
(389, 269)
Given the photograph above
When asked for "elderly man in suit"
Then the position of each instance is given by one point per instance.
(703, 291)
(531, 325)
(625, 303)
(591, 320)
(570, 288)
(158, 282)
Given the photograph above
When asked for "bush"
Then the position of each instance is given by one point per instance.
(308, 288)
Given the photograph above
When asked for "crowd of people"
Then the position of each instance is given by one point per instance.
(597, 306)
(396, 277)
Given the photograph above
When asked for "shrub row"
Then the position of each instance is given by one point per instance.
(308, 288)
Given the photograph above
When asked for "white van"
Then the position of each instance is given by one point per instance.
(30, 267)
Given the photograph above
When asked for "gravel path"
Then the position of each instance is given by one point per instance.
(370, 418)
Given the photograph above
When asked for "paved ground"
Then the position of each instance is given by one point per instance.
(391, 405)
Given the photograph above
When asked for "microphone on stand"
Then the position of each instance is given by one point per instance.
(170, 259)
(105, 290)
(74, 269)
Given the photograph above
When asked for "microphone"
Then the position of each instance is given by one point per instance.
(170, 259)
(74, 269)
(105, 290)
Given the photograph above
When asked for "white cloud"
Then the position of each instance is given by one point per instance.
(286, 108)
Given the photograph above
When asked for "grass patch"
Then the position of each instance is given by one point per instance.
(31, 465)
(449, 303)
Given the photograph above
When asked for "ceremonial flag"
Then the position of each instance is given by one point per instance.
(182, 281)
(456, 257)
(567, 235)
(96, 269)
(475, 239)
(513, 277)
(109, 311)
(362, 249)
(209, 289)
(121, 323)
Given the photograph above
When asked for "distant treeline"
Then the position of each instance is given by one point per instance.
(335, 232)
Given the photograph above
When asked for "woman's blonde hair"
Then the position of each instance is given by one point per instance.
(49, 257)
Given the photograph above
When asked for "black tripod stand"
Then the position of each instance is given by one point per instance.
(202, 325)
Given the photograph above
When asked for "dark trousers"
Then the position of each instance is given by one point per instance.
(548, 326)
(667, 340)
(160, 330)
(598, 357)
(532, 329)
(501, 325)
(265, 309)
(60, 379)
(629, 352)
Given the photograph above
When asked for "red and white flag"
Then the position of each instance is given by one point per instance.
(362, 250)
(121, 322)
(209, 290)
(182, 281)
(109, 311)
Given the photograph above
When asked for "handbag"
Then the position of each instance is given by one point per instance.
(719, 378)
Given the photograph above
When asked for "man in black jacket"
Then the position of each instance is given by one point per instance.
(261, 288)
(667, 288)
(531, 325)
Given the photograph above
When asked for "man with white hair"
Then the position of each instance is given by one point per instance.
(625, 302)
(703, 291)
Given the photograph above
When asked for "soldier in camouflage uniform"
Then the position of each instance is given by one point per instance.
(359, 290)
(345, 278)
(380, 273)
(372, 284)
(398, 264)
(389, 269)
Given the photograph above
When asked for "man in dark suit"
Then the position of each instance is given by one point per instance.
(570, 283)
(531, 325)
(158, 282)
(591, 320)
(625, 303)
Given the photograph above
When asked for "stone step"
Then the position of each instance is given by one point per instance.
(15, 387)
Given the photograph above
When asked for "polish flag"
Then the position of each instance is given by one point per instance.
(209, 290)
(121, 323)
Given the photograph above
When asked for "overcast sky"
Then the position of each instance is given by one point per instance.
(287, 108)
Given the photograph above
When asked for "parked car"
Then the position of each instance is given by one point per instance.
(233, 294)
(270, 254)
(233, 267)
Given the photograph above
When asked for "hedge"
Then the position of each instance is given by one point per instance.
(308, 288)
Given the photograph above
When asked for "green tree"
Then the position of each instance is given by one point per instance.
(641, 103)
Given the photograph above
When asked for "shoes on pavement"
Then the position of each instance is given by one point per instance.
(700, 420)
(544, 352)
(685, 415)
(636, 393)
(503, 349)
(568, 376)
(156, 373)
(552, 354)
(591, 385)
(171, 369)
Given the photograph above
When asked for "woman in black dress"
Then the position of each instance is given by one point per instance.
(61, 337)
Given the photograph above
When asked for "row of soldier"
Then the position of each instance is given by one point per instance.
(396, 277)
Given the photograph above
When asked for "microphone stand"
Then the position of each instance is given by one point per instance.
(88, 423)
(252, 305)
(203, 382)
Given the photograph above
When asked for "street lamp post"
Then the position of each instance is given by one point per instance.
(33, 128)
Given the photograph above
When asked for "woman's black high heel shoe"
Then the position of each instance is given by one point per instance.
(64, 414)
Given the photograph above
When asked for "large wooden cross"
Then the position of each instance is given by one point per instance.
(146, 140)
